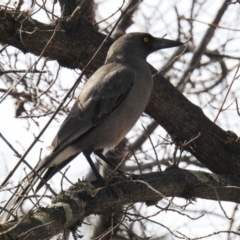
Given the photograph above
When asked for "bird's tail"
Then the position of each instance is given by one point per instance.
(41, 173)
(22, 191)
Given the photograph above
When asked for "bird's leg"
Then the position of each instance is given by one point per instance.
(97, 174)
(106, 160)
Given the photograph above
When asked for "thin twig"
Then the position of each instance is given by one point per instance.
(155, 152)
(225, 98)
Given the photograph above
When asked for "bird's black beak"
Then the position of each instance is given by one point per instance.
(160, 43)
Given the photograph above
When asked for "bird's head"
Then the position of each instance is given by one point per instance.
(139, 44)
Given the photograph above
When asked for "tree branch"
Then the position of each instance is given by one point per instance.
(184, 120)
(70, 208)
(73, 45)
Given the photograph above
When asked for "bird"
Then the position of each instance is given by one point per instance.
(110, 103)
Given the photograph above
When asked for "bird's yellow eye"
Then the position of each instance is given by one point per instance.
(146, 39)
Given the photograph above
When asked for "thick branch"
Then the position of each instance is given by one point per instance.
(74, 42)
(82, 200)
(184, 120)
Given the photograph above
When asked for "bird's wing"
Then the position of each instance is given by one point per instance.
(102, 95)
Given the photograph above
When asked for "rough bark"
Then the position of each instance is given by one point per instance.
(71, 41)
(217, 149)
(70, 208)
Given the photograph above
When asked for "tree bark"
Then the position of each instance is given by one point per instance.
(83, 199)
